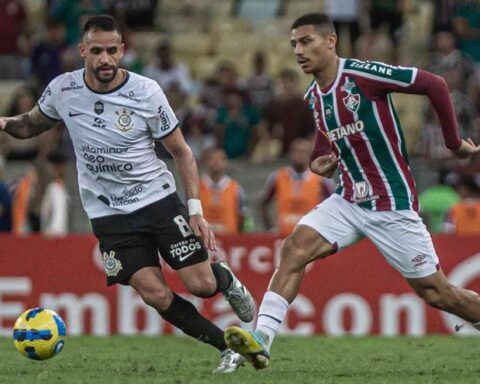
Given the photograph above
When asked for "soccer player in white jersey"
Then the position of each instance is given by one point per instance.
(358, 132)
(113, 117)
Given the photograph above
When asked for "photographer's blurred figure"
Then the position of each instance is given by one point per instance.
(223, 199)
(54, 209)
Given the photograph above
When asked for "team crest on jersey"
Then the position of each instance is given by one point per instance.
(352, 100)
(111, 264)
(124, 121)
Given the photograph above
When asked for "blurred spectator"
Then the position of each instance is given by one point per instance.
(346, 16)
(260, 84)
(266, 148)
(194, 122)
(47, 55)
(13, 29)
(223, 199)
(295, 189)
(54, 206)
(375, 44)
(212, 94)
(236, 124)
(73, 14)
(446, 57)
(444, 10)
(24, 192)
(167, 71)
(5, 202)
(288, 116)
(467, 27)
(137, 15)
(437, 199)
(463, 218)
(389, 15)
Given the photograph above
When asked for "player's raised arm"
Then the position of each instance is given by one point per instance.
(435, 88)
(26, 125)
(187, 167)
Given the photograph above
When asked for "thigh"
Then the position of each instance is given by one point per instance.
(336, 220)
(148, 279)
(125, 254)
(175, 240)
(404, 241)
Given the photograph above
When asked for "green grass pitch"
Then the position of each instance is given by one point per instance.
(173, 359)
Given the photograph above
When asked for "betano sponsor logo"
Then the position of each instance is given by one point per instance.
(345, 130)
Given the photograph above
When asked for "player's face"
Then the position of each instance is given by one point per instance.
(312, 48)
(102, 52)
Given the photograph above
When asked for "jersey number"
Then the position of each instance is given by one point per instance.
(183, 226)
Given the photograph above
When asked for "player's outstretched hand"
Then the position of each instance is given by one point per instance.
(201, 228)
(324, 165)
(466, 149)
(2, 124)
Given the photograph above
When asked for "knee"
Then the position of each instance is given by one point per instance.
(159, 298)
(202, 286)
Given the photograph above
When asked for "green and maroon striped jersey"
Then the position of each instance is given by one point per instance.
(363, 128)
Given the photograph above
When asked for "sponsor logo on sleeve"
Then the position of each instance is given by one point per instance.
(164, 119)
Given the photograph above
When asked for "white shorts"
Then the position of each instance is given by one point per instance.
(400, 236)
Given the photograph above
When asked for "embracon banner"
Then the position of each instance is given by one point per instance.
(351, 293)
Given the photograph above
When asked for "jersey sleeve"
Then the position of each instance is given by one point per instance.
(161, 119)
(388, 77)
(47, 104)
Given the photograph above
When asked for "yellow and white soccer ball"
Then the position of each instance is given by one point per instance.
(39, 333)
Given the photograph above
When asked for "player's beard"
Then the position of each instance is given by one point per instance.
(107, 79)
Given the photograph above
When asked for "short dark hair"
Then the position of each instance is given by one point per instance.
(320, 21)
(103, 23)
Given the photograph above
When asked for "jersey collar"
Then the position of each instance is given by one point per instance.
(127, 77)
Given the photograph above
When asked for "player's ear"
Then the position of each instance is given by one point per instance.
(81, 49)
(332, 40)
(122, 49)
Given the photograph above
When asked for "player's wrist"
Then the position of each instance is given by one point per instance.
(194, 207)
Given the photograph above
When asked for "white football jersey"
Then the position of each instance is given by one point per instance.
(113, 135)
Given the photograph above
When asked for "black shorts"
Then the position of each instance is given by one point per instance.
(133, 241)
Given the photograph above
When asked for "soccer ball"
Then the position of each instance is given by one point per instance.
(39, 333)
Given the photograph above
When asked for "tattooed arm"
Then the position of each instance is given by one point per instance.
(27, 125)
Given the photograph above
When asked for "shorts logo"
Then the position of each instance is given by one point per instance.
(111, 264)
(418, 260)
(124, 122)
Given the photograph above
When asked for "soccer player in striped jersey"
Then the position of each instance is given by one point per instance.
(359, 132)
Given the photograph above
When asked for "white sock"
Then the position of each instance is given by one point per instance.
(271, 314)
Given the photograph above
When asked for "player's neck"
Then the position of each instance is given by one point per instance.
(328, 75)
(98, 86)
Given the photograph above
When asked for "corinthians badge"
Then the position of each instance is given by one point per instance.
(124, 121)
(111, 264)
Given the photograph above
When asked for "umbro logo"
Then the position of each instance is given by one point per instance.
(71, 114)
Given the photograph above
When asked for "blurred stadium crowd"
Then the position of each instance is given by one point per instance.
(230, 74)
